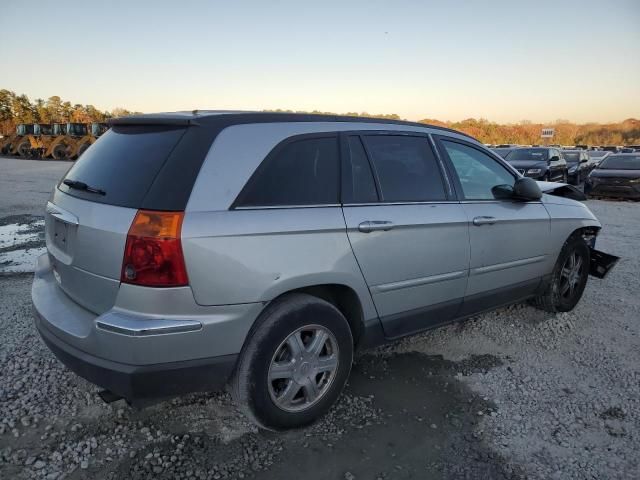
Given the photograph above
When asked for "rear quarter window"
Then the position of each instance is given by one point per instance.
(298, 172)
(123, 163)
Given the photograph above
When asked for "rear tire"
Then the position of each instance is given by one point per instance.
(23, 149)
(280, 383)
(568, 279)
(59, 152)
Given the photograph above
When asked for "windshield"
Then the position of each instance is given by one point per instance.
(620, 162)
(98, 129)
(571, 157)
(537, 154)
(24, 129)
(42, 129)
(76, 129)
(503, 152)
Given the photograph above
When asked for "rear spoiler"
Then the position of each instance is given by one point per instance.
(176, 120)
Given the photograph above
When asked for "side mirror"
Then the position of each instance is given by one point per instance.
(584, 160)
(526, 189)
(502, 192)
(555, 158)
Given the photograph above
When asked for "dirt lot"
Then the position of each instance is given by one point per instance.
(516, 393)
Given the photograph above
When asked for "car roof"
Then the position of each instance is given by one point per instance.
(231, 117)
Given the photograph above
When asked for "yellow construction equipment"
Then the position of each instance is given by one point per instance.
(57, 148)
(21, 144)
(5, 143)
(86, 141)
(66, 137)
(39, 141)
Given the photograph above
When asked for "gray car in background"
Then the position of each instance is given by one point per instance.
(188, 250)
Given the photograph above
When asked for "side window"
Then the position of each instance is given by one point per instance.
(478, 172)
(359, 185)
(303, 172)
(406, 168)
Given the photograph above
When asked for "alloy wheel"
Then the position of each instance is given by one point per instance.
(303, 368)
(571, 275)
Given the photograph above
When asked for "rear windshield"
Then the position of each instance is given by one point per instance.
(539, 154)
(571, 157)
(123, 163)
(619, 162)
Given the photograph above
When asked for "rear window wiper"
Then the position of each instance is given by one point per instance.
(78, 185)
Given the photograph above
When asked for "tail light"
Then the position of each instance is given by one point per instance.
(153, 252)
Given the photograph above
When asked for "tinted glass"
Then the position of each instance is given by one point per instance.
(359, 183)
(478, 172)
(123, 162)
(303, 172)
(620, 162)
(406, 167)
(541, 154)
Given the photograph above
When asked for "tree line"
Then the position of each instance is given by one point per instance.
(16, 109)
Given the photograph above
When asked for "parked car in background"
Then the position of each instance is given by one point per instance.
(188, 249)
(596, 156)
(626, 150)
(502, 152)
(617, 176)
(610, 148)
(541, 163)
(578, 164)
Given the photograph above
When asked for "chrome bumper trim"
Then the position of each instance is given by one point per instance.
(132, 327)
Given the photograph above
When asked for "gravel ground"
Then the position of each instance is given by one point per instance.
(515, 393)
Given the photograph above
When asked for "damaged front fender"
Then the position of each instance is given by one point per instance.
(562, 190)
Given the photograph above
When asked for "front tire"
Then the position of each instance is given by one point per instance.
(294, 364)
(568, 279)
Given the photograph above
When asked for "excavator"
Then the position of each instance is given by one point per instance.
(86, 141)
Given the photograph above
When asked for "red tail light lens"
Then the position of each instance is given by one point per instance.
(153, 252)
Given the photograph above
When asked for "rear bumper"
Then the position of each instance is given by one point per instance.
(141, 356)
(140, 383)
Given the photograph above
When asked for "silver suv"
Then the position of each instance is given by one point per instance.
(188, 250)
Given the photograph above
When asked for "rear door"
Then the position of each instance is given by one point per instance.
(86, 231)
(409, 236)
(509, 239)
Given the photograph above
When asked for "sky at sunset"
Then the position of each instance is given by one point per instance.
(501, 60)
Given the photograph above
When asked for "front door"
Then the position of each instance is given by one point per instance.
(509, 239)
(409, 237)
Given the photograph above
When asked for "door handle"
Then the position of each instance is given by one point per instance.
(477, 221)
(375, 226)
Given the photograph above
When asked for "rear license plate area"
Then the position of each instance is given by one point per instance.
(60, 235)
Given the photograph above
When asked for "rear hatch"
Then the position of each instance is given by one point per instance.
(88, 217)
